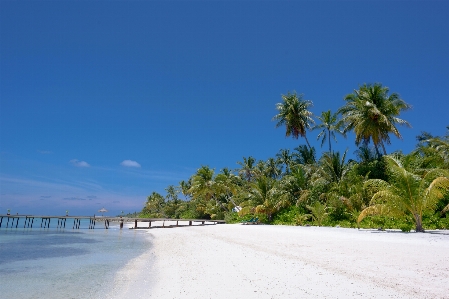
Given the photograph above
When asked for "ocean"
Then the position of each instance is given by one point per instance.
(65, 263)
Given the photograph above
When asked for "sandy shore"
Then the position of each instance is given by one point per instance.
(261, 261)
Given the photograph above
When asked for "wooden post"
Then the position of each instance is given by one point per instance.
(190, 222)
(149, 224)
(135, 223)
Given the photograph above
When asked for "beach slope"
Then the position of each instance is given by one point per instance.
(261, 261)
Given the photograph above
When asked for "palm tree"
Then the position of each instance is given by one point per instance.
(173, 203)
(319, 212)
(248, 168)
(273, 168)
(329, 125)
(154, 206)
(227, 185)
(333, 169)
(441, 146)
(202, 188)
(184, 188)
(285, 158)
(294, 114)
(296, 183)
(267, 197)
(372, 114)
(406, 193)
(305, 155)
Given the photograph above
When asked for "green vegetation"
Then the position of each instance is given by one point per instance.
(403, 191)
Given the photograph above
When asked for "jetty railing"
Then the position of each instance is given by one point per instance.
(12, 221)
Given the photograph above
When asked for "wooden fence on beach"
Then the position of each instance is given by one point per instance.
(12, 221)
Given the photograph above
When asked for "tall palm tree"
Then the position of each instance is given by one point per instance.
(373, 114)
(329, 126)
(294, 114)
(406, 192)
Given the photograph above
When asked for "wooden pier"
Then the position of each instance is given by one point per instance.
(12, 221)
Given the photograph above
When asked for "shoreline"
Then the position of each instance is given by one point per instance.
(261, 261)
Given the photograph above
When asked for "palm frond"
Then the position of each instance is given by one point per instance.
(372, 210)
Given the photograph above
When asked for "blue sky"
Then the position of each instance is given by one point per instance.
(103, 102)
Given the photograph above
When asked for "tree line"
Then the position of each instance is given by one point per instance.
(296, 187)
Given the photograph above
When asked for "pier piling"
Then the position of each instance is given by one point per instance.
(62, 221)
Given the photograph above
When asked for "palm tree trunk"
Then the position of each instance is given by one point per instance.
(329, 137)
(383, 147)
(377, 150)
(308, 144)
(418, 222)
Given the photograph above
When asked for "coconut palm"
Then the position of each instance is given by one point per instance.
(202, 188)
(285, 158)
(333, 168)
(154, 206)
(227, 185)
(406, 192)
(304, 155)
(297, 182)
(247, 169)
(267, 197)
(329, 126)
(294, 114)
(373, 114)
(273, 168)
(441, 147)
(184, 188)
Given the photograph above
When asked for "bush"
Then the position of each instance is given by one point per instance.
(286, 216)
(232, 217)
(406, 226)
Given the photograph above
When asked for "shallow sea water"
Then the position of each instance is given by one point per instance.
(52, 263)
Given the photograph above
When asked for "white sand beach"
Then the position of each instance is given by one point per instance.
(263, 261)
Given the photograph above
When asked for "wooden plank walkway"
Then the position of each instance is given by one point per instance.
(12, 221)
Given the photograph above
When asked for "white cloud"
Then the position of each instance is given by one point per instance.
(130, 163)
(78, 163)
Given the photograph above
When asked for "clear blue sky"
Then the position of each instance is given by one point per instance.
(103, 102)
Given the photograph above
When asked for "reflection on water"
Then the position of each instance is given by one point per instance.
(51, 263)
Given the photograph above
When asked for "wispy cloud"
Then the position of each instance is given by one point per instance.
(58, 195)
(45, 152)
(130, 163)
(73, 198)
(78, 163)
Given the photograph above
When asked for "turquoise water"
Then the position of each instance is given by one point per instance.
(53, 263)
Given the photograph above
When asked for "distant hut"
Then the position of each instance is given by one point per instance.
(103, 210)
